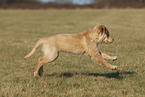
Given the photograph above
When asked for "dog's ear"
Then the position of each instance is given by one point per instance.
(102, 29)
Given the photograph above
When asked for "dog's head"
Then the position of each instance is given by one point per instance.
(102, 35)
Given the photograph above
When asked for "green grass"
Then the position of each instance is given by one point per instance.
(71, 75)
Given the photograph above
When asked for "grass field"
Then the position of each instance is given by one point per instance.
(72, 75)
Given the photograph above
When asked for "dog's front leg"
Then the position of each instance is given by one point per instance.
(99, 59)
(95, 56)
(105, 56)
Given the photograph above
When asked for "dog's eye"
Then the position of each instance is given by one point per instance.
(102, 29)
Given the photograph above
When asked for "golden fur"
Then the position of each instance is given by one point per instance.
(85, 42)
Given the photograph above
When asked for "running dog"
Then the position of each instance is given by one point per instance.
(84, 42)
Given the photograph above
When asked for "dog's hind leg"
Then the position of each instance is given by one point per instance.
(50, 54)
(39, 65)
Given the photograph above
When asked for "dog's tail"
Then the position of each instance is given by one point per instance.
(34, 49)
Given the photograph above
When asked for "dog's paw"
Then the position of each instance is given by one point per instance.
(114, 67)
(114, 58)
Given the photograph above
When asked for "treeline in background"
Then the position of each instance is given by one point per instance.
(70, 4)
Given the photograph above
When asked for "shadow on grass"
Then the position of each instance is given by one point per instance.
(116, 75)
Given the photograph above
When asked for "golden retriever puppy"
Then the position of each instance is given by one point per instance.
(84, 42)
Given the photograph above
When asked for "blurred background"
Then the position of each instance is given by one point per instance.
(70, 4)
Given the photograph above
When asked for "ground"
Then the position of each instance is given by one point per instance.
(72, 75)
